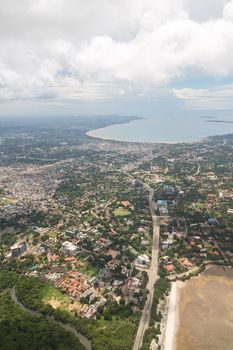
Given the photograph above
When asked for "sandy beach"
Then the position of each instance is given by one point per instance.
(172, 318)
(95, 134)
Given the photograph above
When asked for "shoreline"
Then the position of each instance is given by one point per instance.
(179, 322)
(173, 316)
(140, 142)
(172, 323)
(91, 132)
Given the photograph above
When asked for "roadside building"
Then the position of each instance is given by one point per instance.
(142, 261)
(162, 206)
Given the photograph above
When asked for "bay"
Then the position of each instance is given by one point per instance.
(174, 127)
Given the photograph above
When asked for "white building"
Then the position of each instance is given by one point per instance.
(69, 248)
(142, 260)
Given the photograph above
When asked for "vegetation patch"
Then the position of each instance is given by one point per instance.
(105, 335)
(121, 212)
(54, 297)
(161, 288)
(53, 234)
(21, 330)
(114, 335)
(7, 201)
(88, 269)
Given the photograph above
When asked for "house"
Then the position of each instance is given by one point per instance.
(179, 234)
(213, 222)
(186, 263)
(165, 244)
(70, 259)
(169, 268)
(161, 203)
(225, 194)
(168, 189)
(162, 206)
(70, 234)
(163, 211)
(126, 204)
(142, 261)
(130, 287)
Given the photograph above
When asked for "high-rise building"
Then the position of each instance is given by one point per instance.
(18, 248)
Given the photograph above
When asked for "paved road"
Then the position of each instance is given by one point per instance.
(145, 318)
(198, 170)
(85, 342)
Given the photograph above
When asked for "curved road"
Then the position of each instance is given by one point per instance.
(198, 170)
(152, 274)
(85, 342)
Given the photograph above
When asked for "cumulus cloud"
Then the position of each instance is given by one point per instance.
(211, 98)
(81, 49)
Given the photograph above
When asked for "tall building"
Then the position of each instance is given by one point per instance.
(69, 248)
(18, 248)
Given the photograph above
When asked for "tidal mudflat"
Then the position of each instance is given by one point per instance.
(205, 312)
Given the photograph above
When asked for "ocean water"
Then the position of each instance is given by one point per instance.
(178, 127)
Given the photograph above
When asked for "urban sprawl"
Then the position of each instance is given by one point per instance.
(87, 219)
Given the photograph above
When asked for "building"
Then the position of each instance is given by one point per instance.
(18, 248)
(126, 204)
(142, 261)
(186, 263)
(169, 267)
(162, 203)
(225, 194)
(162, 206)
(70, 234)
(69, 248)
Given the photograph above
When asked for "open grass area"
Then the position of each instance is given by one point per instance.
(200, 205)
(7, 201)
(88, 269)
(54, 297)
(121, 212)
(53, 234)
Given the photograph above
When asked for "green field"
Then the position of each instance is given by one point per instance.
(54, 297)
(7, 201)
(88, 269)
(53, 234)
(121, 212)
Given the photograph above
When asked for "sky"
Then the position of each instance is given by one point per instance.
(115, 56)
